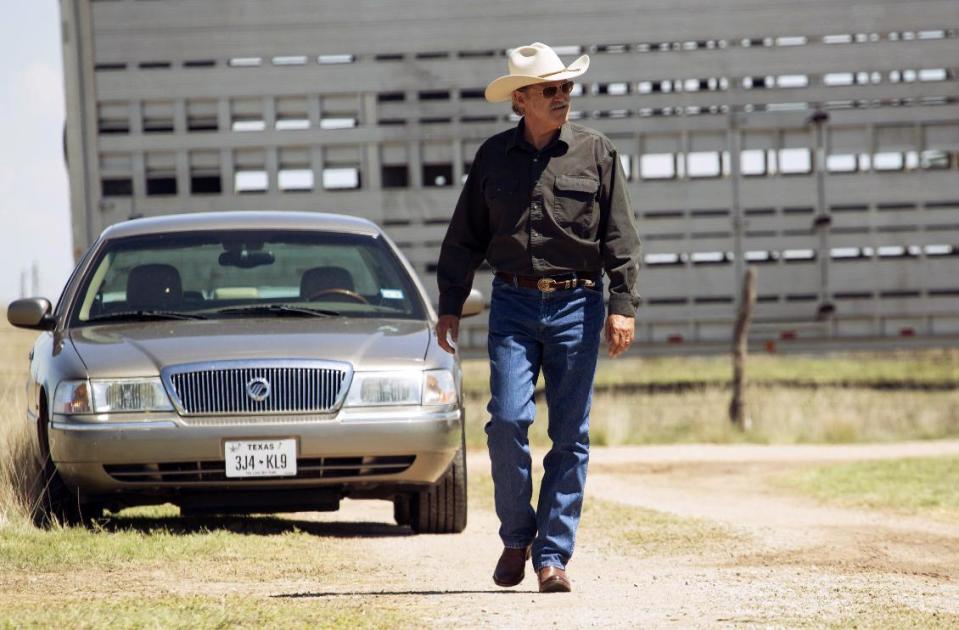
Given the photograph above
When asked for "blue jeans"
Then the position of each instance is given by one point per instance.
(559, 333)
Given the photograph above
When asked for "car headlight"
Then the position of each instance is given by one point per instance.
(439, 388)
(385, 388)
(111, 396)
(432, 387)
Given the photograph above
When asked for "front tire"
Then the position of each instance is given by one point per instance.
(56, 503)
(401, 509)
(441, 509)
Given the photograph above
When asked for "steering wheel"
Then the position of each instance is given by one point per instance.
(344, 292)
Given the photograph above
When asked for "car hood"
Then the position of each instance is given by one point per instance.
(144, 348)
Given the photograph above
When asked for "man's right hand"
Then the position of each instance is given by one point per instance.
(448, 324)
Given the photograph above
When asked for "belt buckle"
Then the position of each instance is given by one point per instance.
(546, 285)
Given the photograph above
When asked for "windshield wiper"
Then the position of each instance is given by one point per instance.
(143, 314)
(278, 309)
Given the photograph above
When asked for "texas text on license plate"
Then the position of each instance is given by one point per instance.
(260, 458)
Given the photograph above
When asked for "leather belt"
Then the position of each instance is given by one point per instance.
(548, 284)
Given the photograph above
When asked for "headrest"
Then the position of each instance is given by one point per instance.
(320, 278)
(154, 286)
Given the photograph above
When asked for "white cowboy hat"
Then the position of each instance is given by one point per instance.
(536, 63)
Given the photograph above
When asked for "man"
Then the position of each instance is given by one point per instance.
(546, 204)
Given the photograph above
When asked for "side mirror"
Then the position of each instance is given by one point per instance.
(33, 313)
(473, 304)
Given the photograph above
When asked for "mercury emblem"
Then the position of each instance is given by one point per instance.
(258, 388)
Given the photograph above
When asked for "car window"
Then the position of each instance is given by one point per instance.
(204, 273)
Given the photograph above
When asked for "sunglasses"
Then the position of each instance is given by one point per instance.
(550, 92)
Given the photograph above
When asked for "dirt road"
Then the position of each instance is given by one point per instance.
(672, 536)
(788, 561)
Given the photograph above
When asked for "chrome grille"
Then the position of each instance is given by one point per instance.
(222, 389)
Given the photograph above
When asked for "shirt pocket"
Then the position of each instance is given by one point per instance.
(574, 197)
(500, 194)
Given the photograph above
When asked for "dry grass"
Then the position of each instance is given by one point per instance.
(18, 466)
(779, 415)
(843, 408)
(923, 367)
(793, 399)
(914, 366)
(19, 473)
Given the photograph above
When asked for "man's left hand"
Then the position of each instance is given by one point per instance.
(619, 333)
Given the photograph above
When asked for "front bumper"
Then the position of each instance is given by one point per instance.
(82, 446)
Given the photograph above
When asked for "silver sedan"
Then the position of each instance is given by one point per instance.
(245, 362)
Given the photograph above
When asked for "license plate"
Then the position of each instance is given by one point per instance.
(260, 458)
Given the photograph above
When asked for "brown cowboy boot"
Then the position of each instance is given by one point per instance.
(511, 566)
(553, 580)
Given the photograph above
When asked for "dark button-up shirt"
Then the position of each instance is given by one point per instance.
(562, 208)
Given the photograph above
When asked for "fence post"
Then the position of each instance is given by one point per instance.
(737, 408)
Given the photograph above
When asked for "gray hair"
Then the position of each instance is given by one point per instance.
(516, 108)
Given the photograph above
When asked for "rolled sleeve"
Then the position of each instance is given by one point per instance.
(619, 239)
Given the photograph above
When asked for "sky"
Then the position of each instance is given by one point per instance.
(34, 197)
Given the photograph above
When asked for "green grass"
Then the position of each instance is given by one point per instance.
(928, 367)
(646, 533)
(885, 616)
(141, 568)
(928, 486)
(177, 611)
(156, 536)
(867, 616)
(26, 548)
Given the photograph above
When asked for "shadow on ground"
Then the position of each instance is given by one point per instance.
(250, 525)
(395, 593)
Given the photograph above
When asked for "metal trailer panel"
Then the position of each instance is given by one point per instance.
(299, 105)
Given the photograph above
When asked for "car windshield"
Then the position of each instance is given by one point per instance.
(245, 273)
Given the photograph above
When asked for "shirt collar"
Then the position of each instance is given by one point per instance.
(516, 140)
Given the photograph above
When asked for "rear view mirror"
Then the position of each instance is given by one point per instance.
(473, 304)
(32, 313)
(245, 259)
